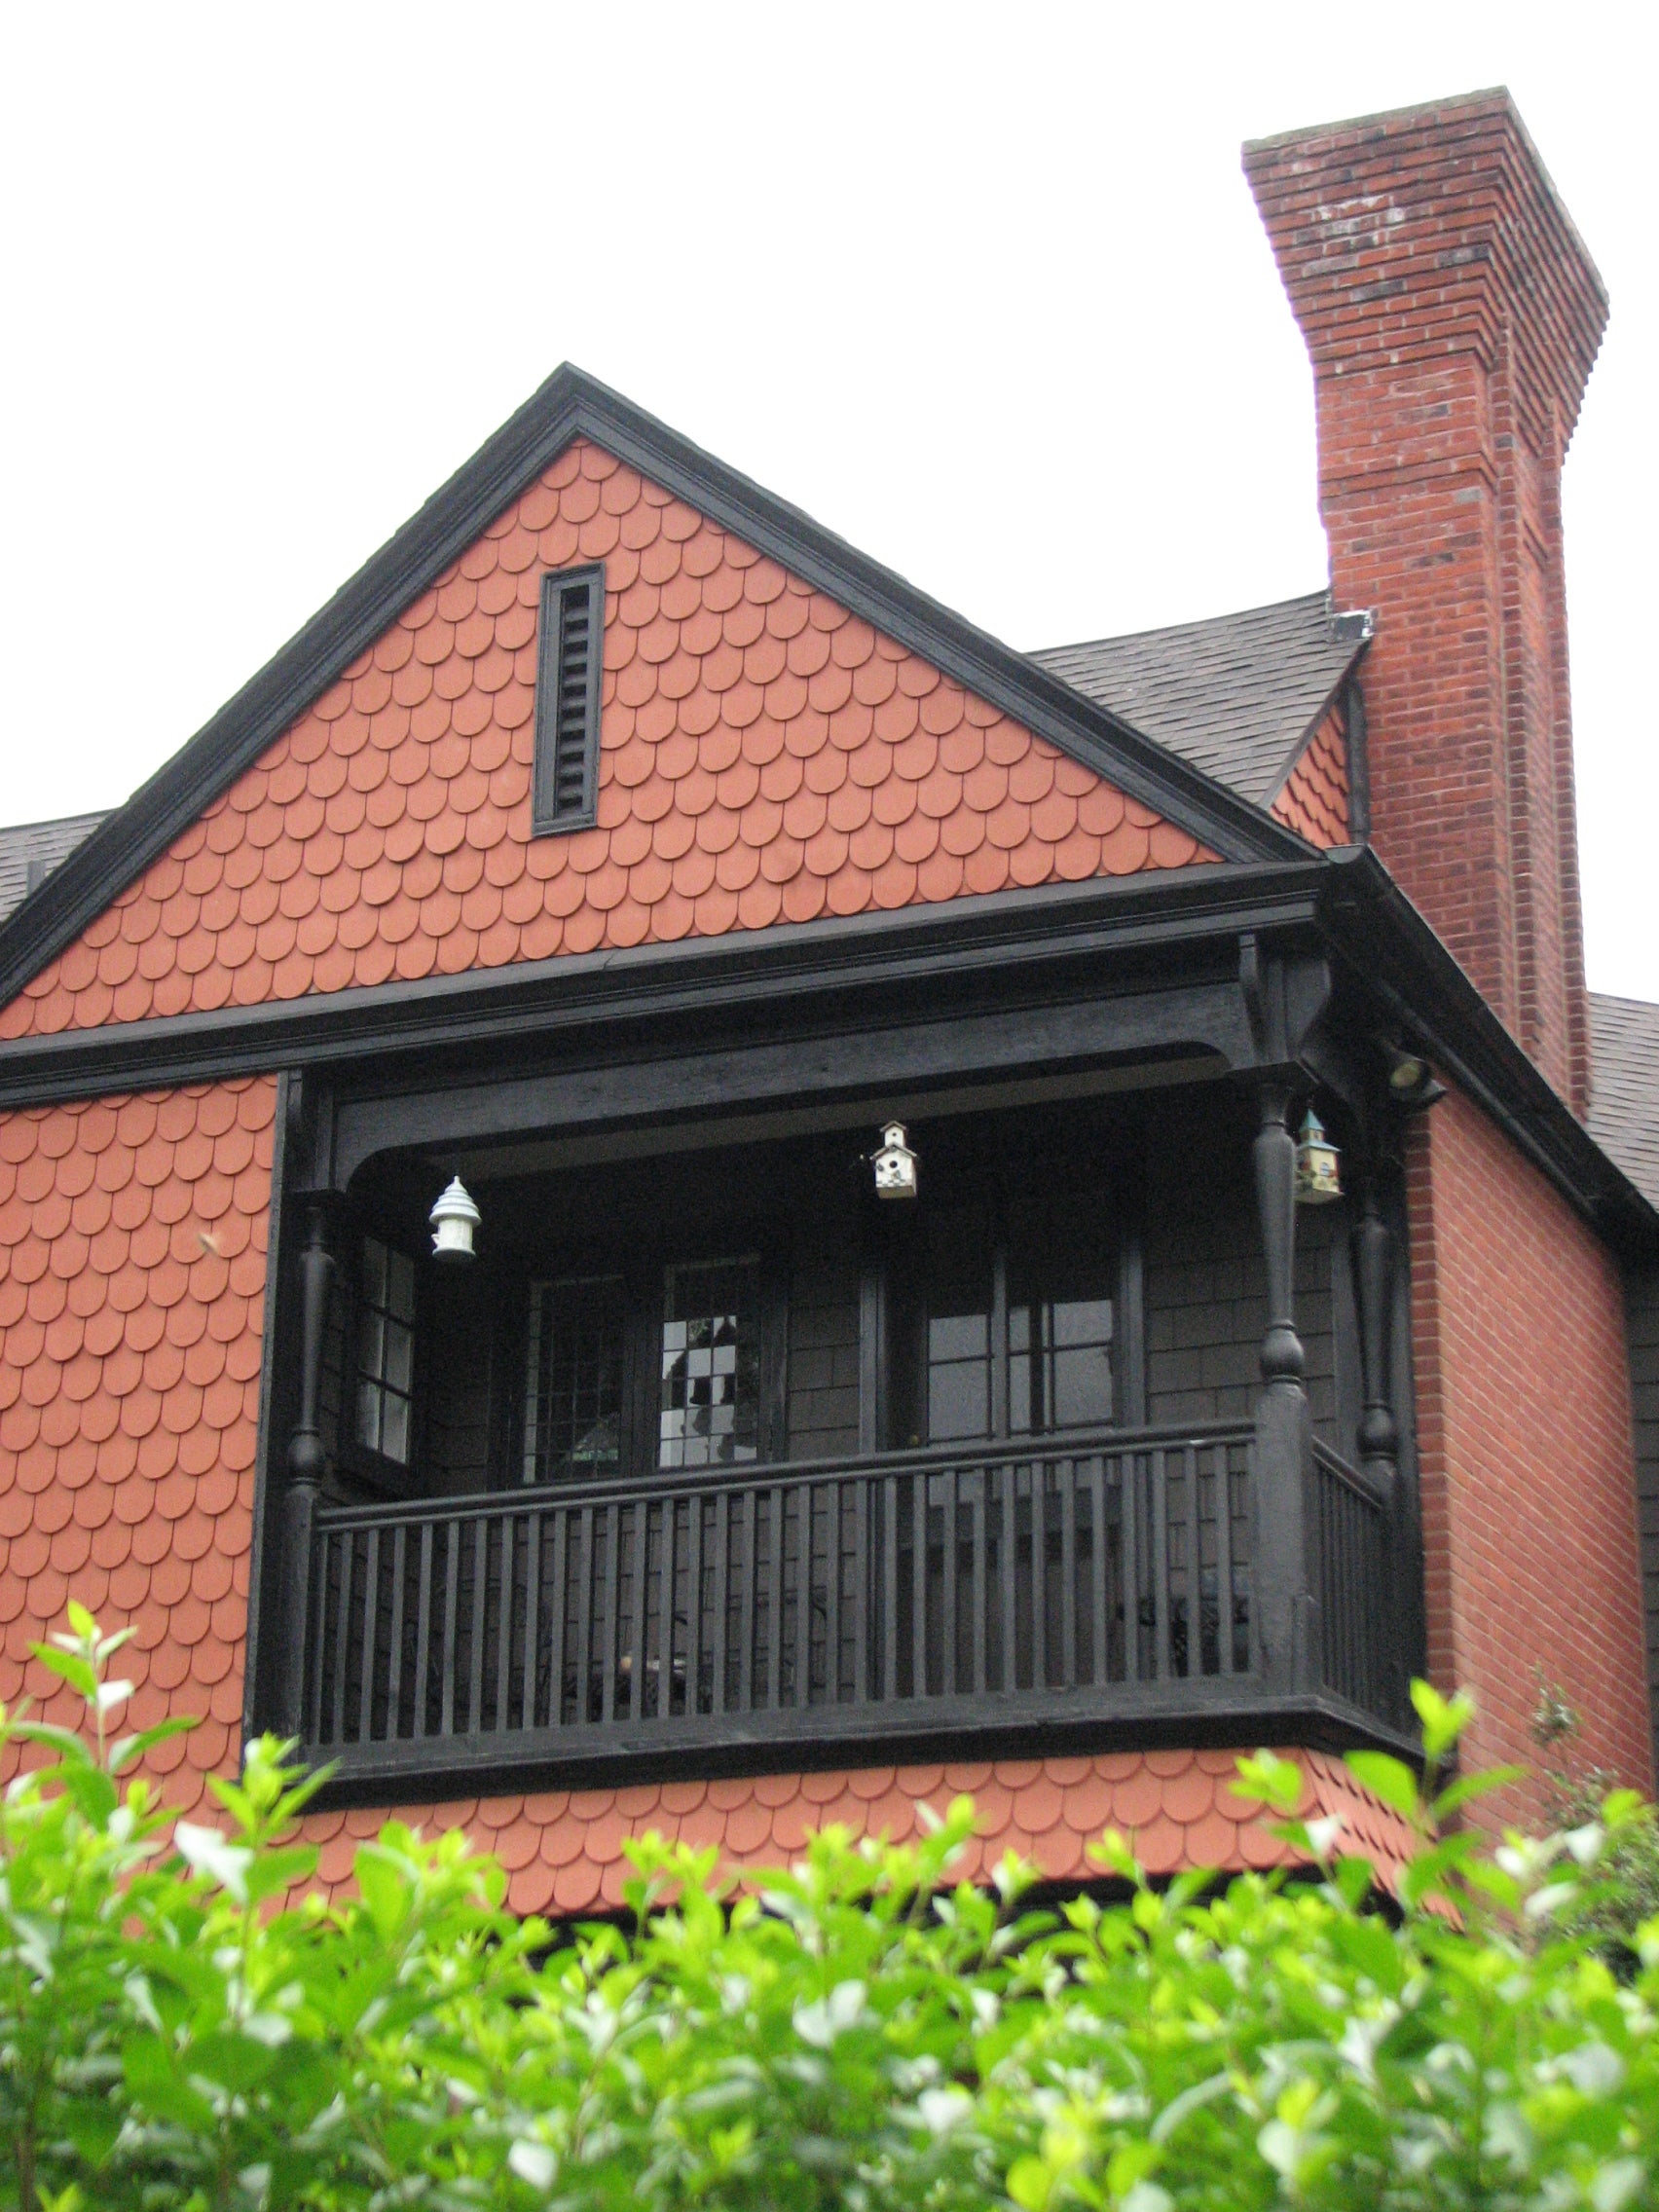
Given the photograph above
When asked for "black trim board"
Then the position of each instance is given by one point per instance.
(699, 977)
(567, 406)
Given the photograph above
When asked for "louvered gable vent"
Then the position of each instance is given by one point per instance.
(568, 669)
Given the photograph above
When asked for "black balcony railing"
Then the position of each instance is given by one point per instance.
(953, 1590)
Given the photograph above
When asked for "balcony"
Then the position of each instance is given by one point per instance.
(901, 1601)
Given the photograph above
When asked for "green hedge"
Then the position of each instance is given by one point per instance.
(857, 2033)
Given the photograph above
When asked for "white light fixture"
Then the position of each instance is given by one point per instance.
(1318, 1164)
(895, 1164)
(454, 1219)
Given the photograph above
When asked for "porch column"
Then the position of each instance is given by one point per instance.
(1286, 1610)
(305, 1463)
(1371, 1245)
(1373, 1251)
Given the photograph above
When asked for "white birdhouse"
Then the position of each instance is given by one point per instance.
(1318, 1164)
(454, 1219)
(895, 1164)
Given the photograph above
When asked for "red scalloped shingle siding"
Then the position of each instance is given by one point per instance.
(766, 756)
(563, 1850)
(1315, 800)
(132, 1240)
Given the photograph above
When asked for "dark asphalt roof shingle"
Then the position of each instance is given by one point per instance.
(1236, 694)
(1624, 1087)
(31, 852)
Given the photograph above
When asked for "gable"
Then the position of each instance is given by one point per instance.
(1314, 799)
(764, 756)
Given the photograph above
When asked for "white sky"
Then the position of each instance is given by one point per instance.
(982, 289)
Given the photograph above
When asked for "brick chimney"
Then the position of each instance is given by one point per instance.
(1452, 315)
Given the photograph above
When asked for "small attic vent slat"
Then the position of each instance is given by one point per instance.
(570, 666)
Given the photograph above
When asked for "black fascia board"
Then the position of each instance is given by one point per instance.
(1392, 954)
(1173, 912)
(571, 404)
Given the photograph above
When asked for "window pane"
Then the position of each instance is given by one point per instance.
(394, 1432)
(959, 1399)
(574, 1392)
(710, 1404)
(386, 1350)
(1061, 1331)
(1082, 1386)
(399, 1357)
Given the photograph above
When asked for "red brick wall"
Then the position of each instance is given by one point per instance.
(1523, 1438)
(764, 756)
(132, 1240)
(1452, 316)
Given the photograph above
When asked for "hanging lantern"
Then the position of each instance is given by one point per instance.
(895, 1164)
(1318, 1164)
(454, 1219)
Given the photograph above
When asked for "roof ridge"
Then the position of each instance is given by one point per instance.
(1195, 622)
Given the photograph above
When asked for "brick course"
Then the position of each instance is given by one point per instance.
(1453, 315)
(1525, 1447)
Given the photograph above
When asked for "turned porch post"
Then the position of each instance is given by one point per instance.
(1373, 1250)
(305, 1463)
(1286, 1610)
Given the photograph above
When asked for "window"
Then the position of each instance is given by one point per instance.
(1061, 1331)
(573, 1419)
(709, 1411)
(1005, 1335)
(386, 1350)
(568, 671)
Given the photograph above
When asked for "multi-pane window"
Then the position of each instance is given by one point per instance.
(386, 1350)
(1061, 1343)
(1016, 1342)
(710, 1409)
(573, 1420)
(959, 1325)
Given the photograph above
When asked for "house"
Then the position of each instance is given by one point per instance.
(655, 1184)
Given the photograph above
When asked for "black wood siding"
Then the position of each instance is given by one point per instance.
(823, 1358)
(1206, 1303)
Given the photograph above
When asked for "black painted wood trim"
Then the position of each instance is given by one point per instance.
(569, 405)
(558, 587)
(1006, 930)
(1216, 1711)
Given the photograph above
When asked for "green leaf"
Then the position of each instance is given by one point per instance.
(77, 1671)
(1444, 1719)
(1468, 1787)
(1278, 1783)
(1387, 1777)
(1030, 2182)
(383, 1884)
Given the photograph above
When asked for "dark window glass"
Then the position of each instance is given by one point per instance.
(710, 1411)
(1060, 1343)
(572, 1416)
(386, 1350)
(958, 1328)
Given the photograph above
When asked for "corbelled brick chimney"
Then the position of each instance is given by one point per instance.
(1452, 315)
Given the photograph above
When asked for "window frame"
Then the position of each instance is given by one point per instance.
(561, 588)
(359, 1462)
(896, 1322)
(642, 1262)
